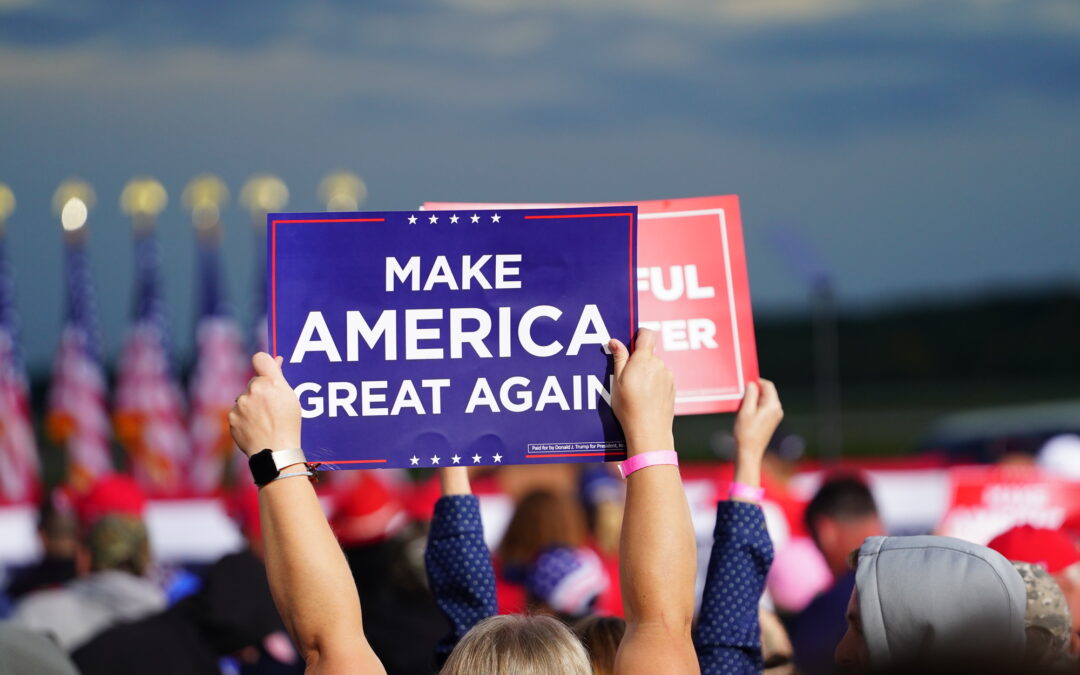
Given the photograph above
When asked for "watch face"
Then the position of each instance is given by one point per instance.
(263, 469)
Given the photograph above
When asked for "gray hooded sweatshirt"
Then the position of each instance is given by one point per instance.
(929, 598)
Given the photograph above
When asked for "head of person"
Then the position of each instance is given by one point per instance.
(1054, 551)
(603, 496)
(111, 514)
(601, 636)
(566, 581)
(1047, 622)
(119, 542)
(930, 601)
(519, 645)
(840, 517)
(541, 520)
(58, 527)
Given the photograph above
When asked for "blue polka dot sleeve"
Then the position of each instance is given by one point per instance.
(727, 636)
(459, 568)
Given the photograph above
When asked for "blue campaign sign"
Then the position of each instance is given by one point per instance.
(441, 338)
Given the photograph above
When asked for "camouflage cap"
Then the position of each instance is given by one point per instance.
(1047, 612)
(119, 542)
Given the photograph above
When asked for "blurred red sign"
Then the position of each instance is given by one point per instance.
(988, 500)
(693, 290)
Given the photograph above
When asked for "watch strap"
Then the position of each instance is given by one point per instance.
(288, 457)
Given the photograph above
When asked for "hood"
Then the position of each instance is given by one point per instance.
(125, 595)
(935, 599)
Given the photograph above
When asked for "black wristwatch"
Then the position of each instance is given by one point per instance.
(267, 464)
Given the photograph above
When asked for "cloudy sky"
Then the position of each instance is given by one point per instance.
(921, 148)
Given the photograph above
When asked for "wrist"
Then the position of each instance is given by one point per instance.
(275, 444)
(637, 444)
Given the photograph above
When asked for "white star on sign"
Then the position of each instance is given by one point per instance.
(412, 220)
(454, 219)
(497, 457)
(414, 460)
(476, 459)
(495, 218)
(475, 218)
(456, 459)
(433, 219)
(434, 459)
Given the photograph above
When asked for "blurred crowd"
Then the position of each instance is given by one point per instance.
(96, 601)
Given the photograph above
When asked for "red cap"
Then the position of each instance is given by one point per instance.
(112, 494)
(366, 513)
(1053, 549)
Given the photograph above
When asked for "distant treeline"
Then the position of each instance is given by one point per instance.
(1030, 337)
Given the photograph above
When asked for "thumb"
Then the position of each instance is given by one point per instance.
(620, 355)
(266, 366)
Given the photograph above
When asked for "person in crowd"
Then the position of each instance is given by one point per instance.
(317, 598)
(542, 520)
(232, 614)
(1057, 553)
(1047, 622)
(602, 493)
(116, 588)
(601, 635)
(24, 651)
(369, 523)
(58, 531)
(840, 517)
(727, 636)
(566, 582)
(931, 602)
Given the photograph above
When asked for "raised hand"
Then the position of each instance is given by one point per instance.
(267, 415)
(755, 424)
(643, 397)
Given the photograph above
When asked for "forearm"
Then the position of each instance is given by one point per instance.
(657, 549)
(657, 570)
(727, 637)
(458, 564)
(309, 577)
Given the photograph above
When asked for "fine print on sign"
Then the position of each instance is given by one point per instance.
(693, 290)
(457, 337)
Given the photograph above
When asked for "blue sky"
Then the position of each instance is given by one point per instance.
(925, 149)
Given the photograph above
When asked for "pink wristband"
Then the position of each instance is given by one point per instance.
(744, 491)
(645, 459)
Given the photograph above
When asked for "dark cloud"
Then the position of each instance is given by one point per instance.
(919, 145)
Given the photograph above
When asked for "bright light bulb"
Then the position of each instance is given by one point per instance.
(73, 216)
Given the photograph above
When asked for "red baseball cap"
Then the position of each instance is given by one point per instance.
(114, 494)
(367, 513)
(1053, 549)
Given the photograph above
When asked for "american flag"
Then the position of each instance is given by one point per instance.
(78, 417)
(220, 376)
(149, 410)
(20, 479)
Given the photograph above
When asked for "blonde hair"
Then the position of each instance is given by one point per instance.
(518, 645)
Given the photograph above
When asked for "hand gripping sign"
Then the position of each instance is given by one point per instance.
(694, 291)
(459, 337)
